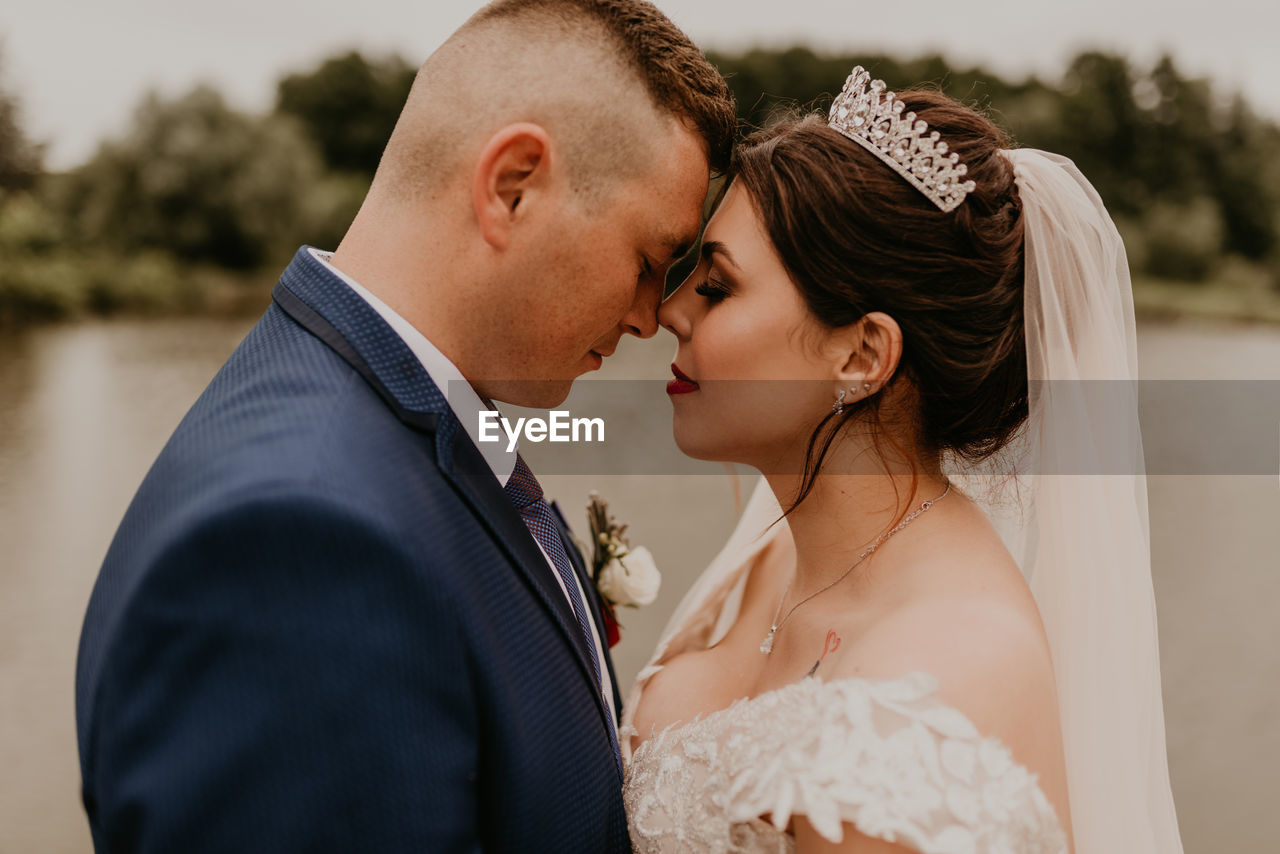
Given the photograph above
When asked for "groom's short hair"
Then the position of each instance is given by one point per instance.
(674, 71)
(573, 65)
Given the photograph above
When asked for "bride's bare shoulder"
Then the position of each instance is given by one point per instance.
(991, 658)
(965, 614)
(987, 648)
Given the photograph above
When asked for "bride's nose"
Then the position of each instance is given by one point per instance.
(673, 314)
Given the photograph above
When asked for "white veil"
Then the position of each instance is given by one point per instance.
(1082, 536)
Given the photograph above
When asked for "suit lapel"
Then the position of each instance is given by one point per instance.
(322, 304)
(594, 602)
(474, 480)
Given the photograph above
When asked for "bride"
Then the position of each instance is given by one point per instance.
(933, 629)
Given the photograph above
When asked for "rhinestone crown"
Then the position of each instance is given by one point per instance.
(874, 118)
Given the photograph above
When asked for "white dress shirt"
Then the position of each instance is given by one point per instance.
(467, 406)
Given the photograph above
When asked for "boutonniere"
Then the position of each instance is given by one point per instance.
(625, 576)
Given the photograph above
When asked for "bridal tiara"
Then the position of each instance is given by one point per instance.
(873, 118)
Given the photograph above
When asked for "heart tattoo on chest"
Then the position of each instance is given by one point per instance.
(830, 645)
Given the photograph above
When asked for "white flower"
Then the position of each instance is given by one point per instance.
(631, 579)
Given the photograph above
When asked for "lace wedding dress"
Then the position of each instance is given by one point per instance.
(887, 756)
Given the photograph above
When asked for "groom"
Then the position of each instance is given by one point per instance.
(332, 619)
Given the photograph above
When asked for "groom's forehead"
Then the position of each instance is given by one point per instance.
(677, 224)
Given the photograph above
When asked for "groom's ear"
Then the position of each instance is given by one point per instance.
(867, 350)
(513, 165)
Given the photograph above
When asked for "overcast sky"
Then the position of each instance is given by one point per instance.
(81, 66)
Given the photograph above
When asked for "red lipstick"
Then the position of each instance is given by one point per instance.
(681, 384)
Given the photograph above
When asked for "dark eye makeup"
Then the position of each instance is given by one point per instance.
(714, 291)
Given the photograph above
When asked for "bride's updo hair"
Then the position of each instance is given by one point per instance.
(857, 238)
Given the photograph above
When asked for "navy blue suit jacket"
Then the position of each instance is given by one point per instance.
(322, 626)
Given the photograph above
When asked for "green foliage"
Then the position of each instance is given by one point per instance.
(67, 284)
(46, 276)
(197, 179)
(767, 83)
(1246, 181)
(20, 158)
(192, 185)
(28, 224)
(329, 204)
(348, 105)
(1183, 240)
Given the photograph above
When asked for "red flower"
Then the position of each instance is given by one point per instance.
(611, 624)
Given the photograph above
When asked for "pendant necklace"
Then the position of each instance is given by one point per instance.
(766, 646)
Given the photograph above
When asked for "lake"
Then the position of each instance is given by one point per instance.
(85, 408)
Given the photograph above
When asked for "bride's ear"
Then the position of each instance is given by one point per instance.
(867, 350)
(514, 165)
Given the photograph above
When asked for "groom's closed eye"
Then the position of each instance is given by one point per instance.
(676, 248)
(680, 248)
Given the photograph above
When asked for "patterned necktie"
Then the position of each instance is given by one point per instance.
(526, 494)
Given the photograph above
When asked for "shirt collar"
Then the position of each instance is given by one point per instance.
(462, 398)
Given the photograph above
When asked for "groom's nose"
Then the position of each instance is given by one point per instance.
(641, 320)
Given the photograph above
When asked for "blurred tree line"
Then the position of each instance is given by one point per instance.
(198, 205)
(197, 196)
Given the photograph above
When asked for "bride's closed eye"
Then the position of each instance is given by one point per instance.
(713, 290)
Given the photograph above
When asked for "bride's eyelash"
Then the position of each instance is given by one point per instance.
(711, 289)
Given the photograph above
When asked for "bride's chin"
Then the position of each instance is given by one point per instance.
(690, 449)
(704, 454)
(704, 445)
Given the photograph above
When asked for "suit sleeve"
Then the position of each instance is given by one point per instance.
(287, 679)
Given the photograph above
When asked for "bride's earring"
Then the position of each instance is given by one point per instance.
(854, 392)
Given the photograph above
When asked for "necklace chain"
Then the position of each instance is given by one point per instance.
(766, 646)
